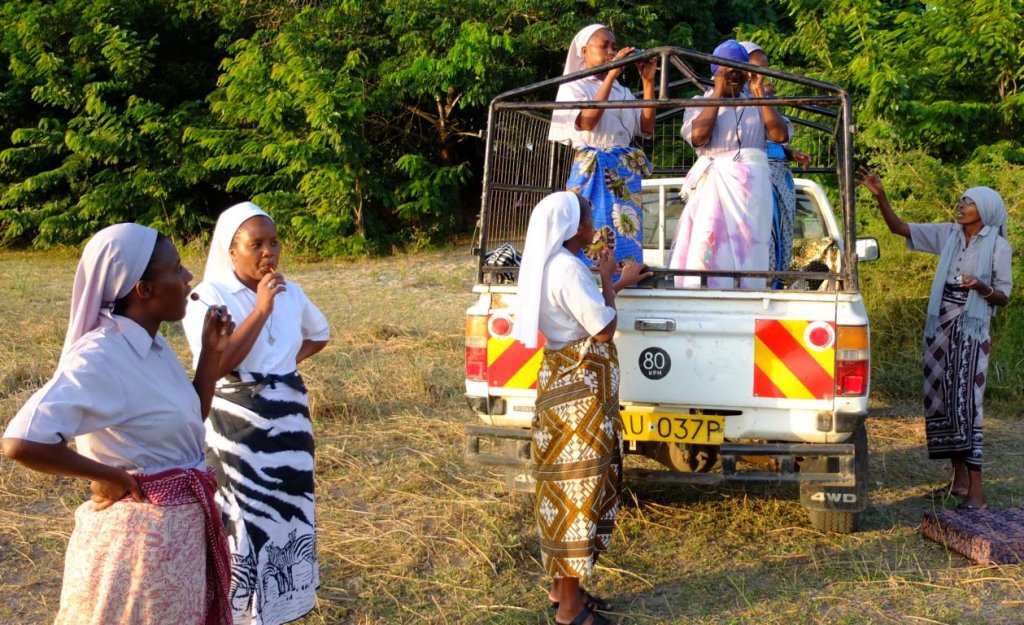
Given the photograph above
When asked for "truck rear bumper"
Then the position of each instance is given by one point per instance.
(785, 470)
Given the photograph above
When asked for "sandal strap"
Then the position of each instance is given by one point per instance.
(594, 602)
(585, 613)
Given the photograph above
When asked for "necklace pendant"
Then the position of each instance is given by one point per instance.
(270, 340)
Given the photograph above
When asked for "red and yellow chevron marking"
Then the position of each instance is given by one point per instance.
(510, 364)
(794, 359)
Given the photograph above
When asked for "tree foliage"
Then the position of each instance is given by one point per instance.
(358, 124)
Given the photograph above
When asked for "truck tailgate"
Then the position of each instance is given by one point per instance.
(727, 350)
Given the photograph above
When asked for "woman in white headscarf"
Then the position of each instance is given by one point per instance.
(576, 427)
(259, 433)
(972, 278)
(608, 169)
(137, 420)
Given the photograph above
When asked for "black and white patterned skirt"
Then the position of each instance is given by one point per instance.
(955, 372)
(260, 443)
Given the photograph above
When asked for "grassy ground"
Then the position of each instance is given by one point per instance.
(410, 534)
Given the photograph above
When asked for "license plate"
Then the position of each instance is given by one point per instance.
(650, 425)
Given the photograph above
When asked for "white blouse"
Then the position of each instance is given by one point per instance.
(616, 128)
(931, 238)
(571, 306)
(124, 397)
(294, 319)
(736, 127)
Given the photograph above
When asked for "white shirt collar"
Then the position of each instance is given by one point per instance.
(234, 285)
(139, 340)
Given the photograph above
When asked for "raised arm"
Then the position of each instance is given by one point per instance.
(588, 118)
(647, 115)
(249, 329)
(774, 122)
(873, 183)
(217, 329)
(703, 124)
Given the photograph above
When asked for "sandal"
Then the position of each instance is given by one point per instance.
(582, 617)
(943, 492)
(590, 602)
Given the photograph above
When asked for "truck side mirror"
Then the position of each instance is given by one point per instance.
(867, 249)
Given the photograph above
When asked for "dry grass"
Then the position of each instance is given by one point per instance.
(410, 534)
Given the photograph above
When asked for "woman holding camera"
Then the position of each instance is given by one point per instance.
(607, 169)
(727, 221)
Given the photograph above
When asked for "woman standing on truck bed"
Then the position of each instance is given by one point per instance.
(727, 221)
(577, 434)
(259, 432)
(607, 170)
(780, 251)
(973, 276)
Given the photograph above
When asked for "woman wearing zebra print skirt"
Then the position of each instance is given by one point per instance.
(259, 435)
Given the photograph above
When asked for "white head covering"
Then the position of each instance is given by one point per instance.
(563, 121)
(574, 61)
(555, 220)
(112, 262)
(992, 211)
(219, 267)
(752, 47)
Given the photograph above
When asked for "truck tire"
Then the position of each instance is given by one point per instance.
(842, 521)
(834, 521)
(684, 457)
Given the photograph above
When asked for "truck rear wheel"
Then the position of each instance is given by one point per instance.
(834, 521)
(684, 457)
(841, 521)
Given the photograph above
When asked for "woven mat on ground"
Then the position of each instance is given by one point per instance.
(983, 536)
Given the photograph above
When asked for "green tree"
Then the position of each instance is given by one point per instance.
(99, 92)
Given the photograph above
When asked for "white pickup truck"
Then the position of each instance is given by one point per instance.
(717, 385)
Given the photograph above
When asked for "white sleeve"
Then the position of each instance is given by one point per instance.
(930, 238)
(583, 300)
(79, 399)
(314, 323)
(563, 121)
(689, 113)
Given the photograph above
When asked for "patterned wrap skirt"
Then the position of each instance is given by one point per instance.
(138, 563)
(727, 222)
(955, 372)
(577, 451)
(783, 211)
(610, 178)
(260, 441)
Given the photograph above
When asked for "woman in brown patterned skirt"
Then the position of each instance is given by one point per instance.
(576, 427)
(973, 276)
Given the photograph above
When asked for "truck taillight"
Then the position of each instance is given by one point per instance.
(476, 348)
(853, 361)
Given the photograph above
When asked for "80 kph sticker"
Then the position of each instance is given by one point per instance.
(654, 363)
